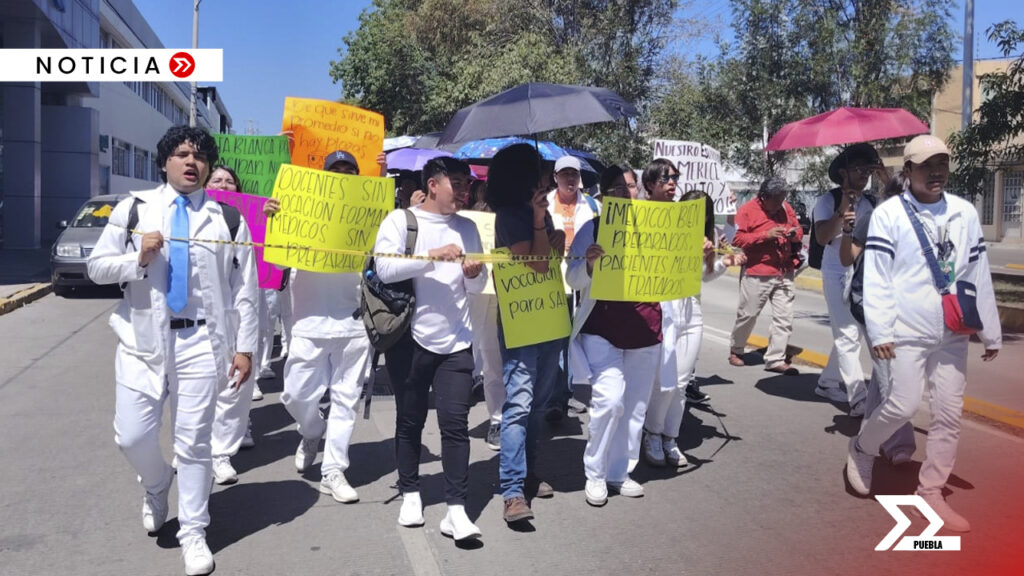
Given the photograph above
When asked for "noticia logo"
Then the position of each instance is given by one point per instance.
(181, 65)
(111, 65)
(927, 540)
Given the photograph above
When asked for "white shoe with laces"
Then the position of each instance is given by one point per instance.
(673, 455)
(596, 492)
(629, 488)
(248, 441)
(223, 472)
(154, 509)
(337, 486)
(197, 555)
(411, 514)
(653, 450)
(951, 520)
(859, 467)
(257, 394)
(305, 454)
(457, 525)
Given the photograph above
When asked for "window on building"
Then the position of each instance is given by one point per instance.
(154, 169)
(988, 200)
(119, 157)
(1013, 186)
(141, 164)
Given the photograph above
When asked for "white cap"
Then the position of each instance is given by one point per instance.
(568, 162)
(924, 147)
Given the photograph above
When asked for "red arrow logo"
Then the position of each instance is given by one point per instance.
(182, 65)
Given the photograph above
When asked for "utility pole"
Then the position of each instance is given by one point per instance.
(195, 45)
(967, 98)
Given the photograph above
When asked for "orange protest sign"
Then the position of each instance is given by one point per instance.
(319, 127)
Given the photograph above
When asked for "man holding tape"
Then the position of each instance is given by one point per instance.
(186, 327)
(329, 350)
(927, 287)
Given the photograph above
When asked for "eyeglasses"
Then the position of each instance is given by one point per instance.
(668, 177)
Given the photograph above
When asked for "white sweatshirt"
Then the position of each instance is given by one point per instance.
(441, 321)
(323, 304)
(901, 302)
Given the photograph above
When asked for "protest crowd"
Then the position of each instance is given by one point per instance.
(519, 286)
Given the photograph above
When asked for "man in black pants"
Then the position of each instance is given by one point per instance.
(437, 351)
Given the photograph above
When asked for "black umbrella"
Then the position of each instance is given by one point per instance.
(532, 108)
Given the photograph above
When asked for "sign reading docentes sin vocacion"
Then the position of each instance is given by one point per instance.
(323, 211)
(653, 251)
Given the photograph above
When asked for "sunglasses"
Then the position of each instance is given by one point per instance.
(669, 177)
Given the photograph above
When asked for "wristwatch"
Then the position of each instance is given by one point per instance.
(246, 354)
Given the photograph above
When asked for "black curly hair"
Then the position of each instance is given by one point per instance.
(176, 135)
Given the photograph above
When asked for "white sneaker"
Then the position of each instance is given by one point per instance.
(596, 492)
(257, 394)
(266, 373)
(248, 441)
(654, 452)
(411, 513)
(223, 472)
(832, 393)
(305, 454)
(859, 467)
(457, 525)
(197, 555)
(154, 509)
(337, 486)
(950, 518)
(673, 455)
(628, 488)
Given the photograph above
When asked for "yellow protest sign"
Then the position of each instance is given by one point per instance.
(533, 307)
(653, 251)
(485, 226)
(319, 127)
(324, 210)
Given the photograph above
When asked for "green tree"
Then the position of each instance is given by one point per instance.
(995, 140)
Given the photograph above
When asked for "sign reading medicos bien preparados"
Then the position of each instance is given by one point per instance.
(111, 65)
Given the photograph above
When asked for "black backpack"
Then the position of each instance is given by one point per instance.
(815, 251)
(387, 309)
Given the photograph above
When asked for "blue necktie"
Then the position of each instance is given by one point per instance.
(177, 278)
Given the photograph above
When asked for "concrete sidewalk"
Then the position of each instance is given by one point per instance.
(24, 277)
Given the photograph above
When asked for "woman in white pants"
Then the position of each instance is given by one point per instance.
(231, 420)
(682, 328)
(620, 342)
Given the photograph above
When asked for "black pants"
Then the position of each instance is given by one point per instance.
(413, 371)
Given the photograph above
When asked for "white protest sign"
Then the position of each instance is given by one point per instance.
(700, 168)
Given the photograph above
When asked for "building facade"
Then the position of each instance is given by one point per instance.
(64, 142)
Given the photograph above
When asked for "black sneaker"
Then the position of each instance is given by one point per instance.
(494, 437)
(693, 394)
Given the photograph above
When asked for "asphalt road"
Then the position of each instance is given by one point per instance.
(764, 493)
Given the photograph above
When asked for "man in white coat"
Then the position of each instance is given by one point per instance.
(186, 328)
(906, 322)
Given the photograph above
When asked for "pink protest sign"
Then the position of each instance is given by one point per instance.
(251, 208)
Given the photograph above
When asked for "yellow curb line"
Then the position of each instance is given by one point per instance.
(1016, 266)
(23, 297)
(972, 405)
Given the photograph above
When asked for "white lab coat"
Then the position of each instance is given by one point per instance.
(142, 322)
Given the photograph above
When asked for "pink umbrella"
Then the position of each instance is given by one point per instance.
(846, 126)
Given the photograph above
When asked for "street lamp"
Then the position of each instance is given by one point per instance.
(195, 45)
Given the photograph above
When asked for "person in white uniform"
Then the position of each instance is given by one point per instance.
(682, 329)
(329, 350)
(436, 352)
(186, 328)
(906, 322)
(851, 169)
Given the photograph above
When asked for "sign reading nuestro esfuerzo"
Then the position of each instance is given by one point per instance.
(111, 65)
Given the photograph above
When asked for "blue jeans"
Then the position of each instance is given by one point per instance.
(531, 373)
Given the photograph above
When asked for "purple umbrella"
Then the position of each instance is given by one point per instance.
(412, 158)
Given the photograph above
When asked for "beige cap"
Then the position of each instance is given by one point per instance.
(924, 147)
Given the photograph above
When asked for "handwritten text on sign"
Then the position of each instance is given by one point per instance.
(255, 159)
(251, 208)
(320, 127)
(700, 168)
(321, 211)
(653, 251)
(532, 305)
